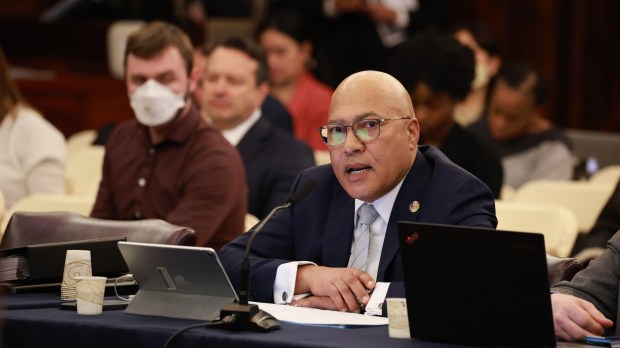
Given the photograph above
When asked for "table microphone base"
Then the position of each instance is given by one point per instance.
(249, 317)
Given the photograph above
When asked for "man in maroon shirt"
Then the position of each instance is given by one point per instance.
(169, 163)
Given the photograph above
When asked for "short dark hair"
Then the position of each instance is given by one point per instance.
(437, 60)
(288, 22)
(524, 77)
(156, 37)
(250, 48)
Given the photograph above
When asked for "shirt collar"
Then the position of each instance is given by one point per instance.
(384, 204)
(234, 135)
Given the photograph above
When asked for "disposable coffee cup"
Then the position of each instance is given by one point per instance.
(90, 291)
(398, 321)
(77, 263)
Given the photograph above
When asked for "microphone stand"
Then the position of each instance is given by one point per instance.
(243, 312)
(245, 266)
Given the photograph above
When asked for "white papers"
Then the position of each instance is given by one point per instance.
(311, 316)
(14, 267)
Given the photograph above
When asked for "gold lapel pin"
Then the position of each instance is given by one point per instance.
(414, 206)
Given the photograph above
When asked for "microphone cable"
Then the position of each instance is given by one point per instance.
(229, 319)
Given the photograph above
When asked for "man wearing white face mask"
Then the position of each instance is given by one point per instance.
(169, 163)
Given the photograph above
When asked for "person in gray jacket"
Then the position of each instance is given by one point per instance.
(588, 304)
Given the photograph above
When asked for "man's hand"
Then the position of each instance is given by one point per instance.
(344, 288)
(320, 302)
(574, 318)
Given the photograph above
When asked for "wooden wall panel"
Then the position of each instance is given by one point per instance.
(526, 32)
(589, 64)
(575, 44)
(74, 102)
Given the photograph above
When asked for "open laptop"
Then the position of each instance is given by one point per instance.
(476, 286)
(177, 281)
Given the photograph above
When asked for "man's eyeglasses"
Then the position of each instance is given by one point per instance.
(365, 130)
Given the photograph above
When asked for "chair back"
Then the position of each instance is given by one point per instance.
(321, 157)
(118, 33)
(585, 200)
(80, 140)
(507, 193)
(2, 202)
(28, 228)
(250, 221)
(606, 176)
(84, 170)
(557, 223)
(603, 146)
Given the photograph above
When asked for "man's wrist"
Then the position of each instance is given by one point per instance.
(302, 286)
(284, 284)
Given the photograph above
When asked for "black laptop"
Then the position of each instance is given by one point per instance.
(476, 286)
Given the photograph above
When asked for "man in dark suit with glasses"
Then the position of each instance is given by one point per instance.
(332, 248)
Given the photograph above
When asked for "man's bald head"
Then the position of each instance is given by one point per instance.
(377, 106)
(373, 86)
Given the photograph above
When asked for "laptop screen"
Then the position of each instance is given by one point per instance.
(476, 286)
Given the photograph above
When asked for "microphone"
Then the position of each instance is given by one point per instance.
(249, 316)
(300, 194)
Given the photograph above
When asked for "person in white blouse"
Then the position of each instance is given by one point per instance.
(390, 16)
(33, 154)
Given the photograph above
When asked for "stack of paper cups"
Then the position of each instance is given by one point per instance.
(77, 263)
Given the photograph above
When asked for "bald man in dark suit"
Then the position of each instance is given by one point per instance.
(372, 135)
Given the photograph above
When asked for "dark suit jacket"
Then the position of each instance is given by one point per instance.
(320, 228)
(276, 113)
(272, 160)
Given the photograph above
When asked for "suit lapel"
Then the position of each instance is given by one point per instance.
(248, 147)
(339, 230)
(414, 188)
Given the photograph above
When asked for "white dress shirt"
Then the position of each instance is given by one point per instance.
(234, 135)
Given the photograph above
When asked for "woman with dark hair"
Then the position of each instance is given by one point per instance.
(480, 39)
(286, 39)
(33, 154)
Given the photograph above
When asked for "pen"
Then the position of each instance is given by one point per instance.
(362, 305)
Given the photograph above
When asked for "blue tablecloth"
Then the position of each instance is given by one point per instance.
(30, 300)
(52, 327)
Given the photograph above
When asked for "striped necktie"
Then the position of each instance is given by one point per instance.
(359, 253)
